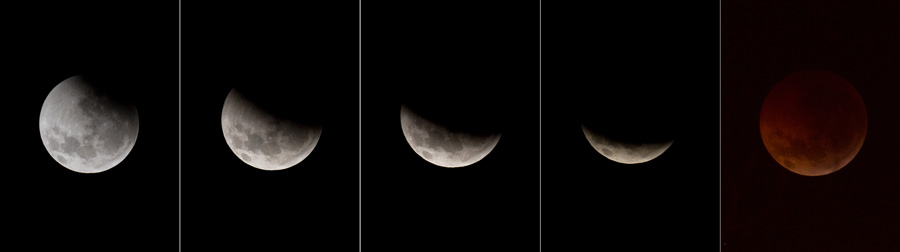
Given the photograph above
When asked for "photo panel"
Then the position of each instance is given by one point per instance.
(630, 126)
(450, 126)
(270, 126)
(93, 92)
(809, 111)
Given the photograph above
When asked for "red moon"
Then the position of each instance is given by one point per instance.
(813, 122)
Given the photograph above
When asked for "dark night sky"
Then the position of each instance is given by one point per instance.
(303, 58)
(135, 46)
(645, 69)
(768, 208)
(475, 59)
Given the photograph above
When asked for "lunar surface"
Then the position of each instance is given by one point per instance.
(624, 152)
(84, 129)
(813, 122)
(442, 146)
(263, 140)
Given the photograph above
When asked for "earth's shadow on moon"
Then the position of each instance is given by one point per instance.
(273, 127)
(630, 116)
(116, 87)
(464, 119)
(470, 118)
(813, 122)
(88, 123)
(304, 107)
(632, 130)
(460, 105)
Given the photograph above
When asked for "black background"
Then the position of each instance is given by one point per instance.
(645, 69)
(303, 58)
(469, 62)
(134, 46)
(768, 208)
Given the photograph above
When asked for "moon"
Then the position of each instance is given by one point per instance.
(264, 140)
(442, 146)
(813, 122)
(624, 152)
(85, 129)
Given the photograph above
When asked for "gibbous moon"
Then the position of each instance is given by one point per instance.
(442, 146)
(813, 122)
(86, 130)
(625, 152)
(262, 139)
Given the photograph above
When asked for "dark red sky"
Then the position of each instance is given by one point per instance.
(768, 208)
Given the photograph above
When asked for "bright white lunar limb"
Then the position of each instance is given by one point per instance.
(85, 130)
(441, 146)
(263, 140)
(623, 152)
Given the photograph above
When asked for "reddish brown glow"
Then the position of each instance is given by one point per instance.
(813, 122)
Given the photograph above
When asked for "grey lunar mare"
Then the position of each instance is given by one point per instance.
(84, 131)
(263, 140)
(441, 146)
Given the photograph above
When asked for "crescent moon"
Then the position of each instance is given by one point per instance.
(623, 152)
(263, 140)
(442, 146)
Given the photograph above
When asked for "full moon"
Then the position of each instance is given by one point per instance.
(85, 129)
(813, 122)
(625, 152)
(442, 146)
(262, 139)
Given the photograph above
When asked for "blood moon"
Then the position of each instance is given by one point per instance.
(813, 122)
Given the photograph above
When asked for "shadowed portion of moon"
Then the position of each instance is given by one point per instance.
(444, 146)
(634, 122)
(623, 151)
(86, 129)
(263, 139)
(813, 122)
